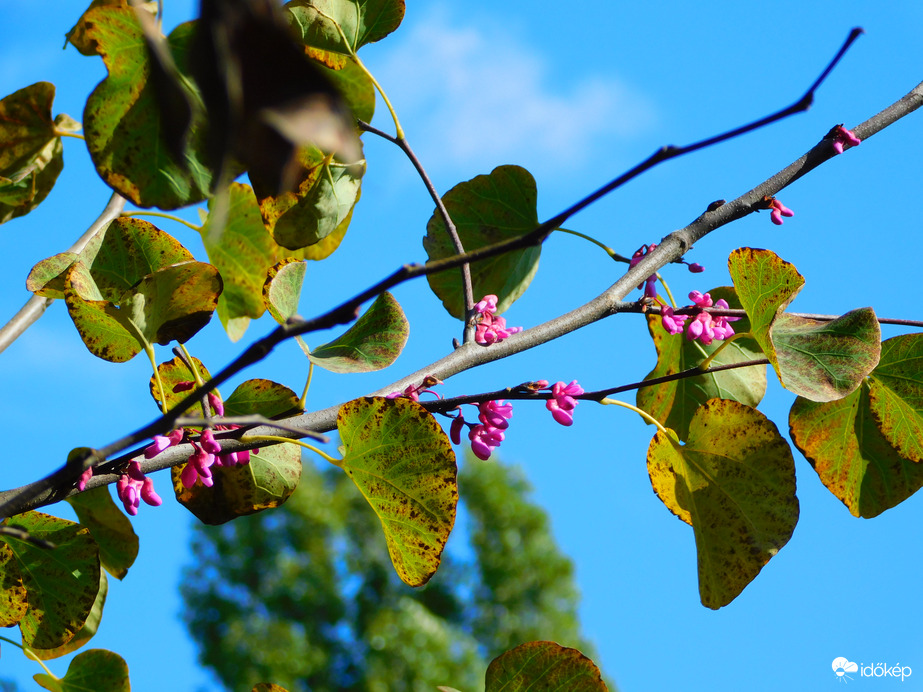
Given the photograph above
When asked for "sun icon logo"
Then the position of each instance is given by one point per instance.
(841, 667)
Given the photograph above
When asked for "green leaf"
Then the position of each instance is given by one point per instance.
(486, 210)
(402, 462)
(320, 204)
(372, 343)
(86, 632)
(734, 482)
(674, 403)
(122, 118)
(31, 157)
(821, 361)
(851, 456)
(96, 669)
(266, 481)
(543, 667)
(896, 397)
(282, 289)
(13, 598)
(61, 584)
(263, 397)
(112, 531)
(243, 253)
(319, 23)
(172, 372)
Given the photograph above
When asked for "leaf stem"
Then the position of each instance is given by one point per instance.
(172, 217)
(249, 439)
(62, 133)
(29, 654)
(644, 414)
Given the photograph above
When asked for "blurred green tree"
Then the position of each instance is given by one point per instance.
(305, 596)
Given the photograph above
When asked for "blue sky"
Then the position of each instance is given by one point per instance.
(575, 94)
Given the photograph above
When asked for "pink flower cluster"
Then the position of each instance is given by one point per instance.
(562, 403)
(778, 211)
(491, 328)
(842, 137)
(133, 486)
(494, 416)
(704, 326)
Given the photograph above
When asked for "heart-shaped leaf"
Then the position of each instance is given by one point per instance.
(372, 343)
(325, 24)
(402, 462)
(539, 666)
(818, 360)
(853, 459)
(61, 586)
(896, 397)
(112, 531)
(123, 121)
(282, 289)
(486, 210)
(674, 403)
(734, 482)
(31, 157)
(96, 669)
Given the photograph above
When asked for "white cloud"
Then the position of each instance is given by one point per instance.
(473, 90)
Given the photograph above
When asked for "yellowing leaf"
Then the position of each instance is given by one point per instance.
(896, 397)
(402, 462)
(734, 482)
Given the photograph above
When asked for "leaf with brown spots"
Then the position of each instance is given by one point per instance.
(402, 462)
(324, 23)
(372, 343)
(172, 372)
(123, 123)
(821, 361)
(61, 584)
(31, 157)
(89, 628)
(851, 456)
(543, 666)
(734, 482)
(13, 600)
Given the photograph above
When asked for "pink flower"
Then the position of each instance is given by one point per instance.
(215, 402)
(162, 442)
(563, 403)
(673, 324)
(183, 387)
(484, 440)
(491, 328)
(495, 414)
(458, 423)
(198, 468)
(696, 268)
(650, 283)
(842, 137)
(778, 211)
(133, 486)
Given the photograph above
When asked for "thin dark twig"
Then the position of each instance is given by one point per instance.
(467, 286)
(23, 535)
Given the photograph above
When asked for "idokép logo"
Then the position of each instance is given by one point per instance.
(842, 667)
